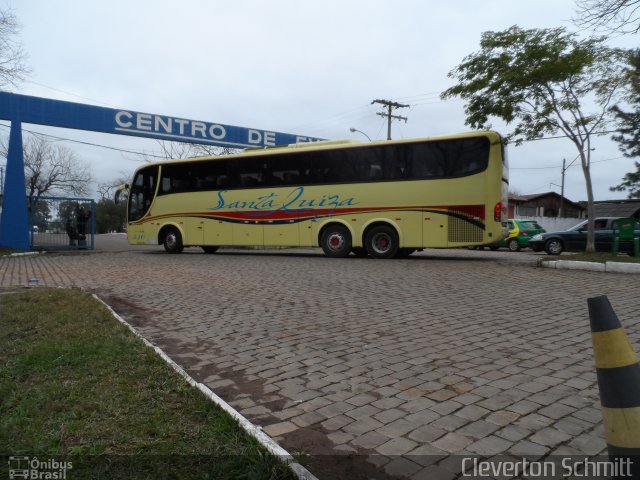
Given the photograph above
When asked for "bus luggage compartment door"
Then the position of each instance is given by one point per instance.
(248, 232)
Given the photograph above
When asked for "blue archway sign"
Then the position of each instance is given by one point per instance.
(19, 109)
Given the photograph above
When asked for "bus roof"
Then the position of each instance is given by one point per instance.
(322, 145)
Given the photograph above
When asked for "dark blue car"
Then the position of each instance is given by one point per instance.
(575, 239)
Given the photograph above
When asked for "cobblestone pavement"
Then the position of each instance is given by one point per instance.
(403, 362)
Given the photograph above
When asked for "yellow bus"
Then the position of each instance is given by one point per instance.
(383, 199)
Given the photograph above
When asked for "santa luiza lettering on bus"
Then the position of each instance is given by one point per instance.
(294, 204)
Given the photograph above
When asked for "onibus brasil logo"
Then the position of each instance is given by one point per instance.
(35, 469)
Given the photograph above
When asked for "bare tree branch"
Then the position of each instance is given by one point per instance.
(617, 16)
(52, 169)
(12, 57)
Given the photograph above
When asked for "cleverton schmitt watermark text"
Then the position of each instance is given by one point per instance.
(566, 467)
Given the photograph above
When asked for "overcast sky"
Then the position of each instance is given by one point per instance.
(308, 68)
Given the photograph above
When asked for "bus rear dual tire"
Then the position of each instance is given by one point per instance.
(380, 242)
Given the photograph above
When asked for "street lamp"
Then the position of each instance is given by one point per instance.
(360, 131)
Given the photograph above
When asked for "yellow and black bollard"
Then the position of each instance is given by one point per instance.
(618, 373)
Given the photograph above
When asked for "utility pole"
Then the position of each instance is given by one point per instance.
(390, 106)
(564, 169)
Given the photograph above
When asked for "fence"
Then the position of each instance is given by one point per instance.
(57, 223)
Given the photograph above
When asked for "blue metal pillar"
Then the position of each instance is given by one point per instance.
(14, 222)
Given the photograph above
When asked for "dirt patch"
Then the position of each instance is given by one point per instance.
(132, 313)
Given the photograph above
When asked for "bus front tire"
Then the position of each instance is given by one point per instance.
(336, 241)
(209, 249)
(172, 241)
(382, 242)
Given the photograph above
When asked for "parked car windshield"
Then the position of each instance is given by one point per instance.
(579, 226)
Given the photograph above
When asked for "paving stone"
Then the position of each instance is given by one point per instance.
(434, 472)
(426, 455)
(417, 405)
(491, 445)
(335, 409)
(340, 438)
(556, 411)
(402, 467)
(478, 429)
(277, 429)
(337, 422)
(362, 412)
(360, 400)
(528, 449)
(426, 433)
(362, 425)
(452, 442)
(308, 419)
(397, 428)
(534, 422)
(588, 444)
(572, 426)
(370, 440)
(396, 446)
(472, 412)
(450, 422)
(549, 437)
(502, 417)
(524, 407)
(513, 433)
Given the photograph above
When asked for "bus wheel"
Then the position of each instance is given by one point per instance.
(382, 242)
(359, 251)
(172, 241)
(210, 249)
(336, 241)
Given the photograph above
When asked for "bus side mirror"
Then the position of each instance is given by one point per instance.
(119, 190)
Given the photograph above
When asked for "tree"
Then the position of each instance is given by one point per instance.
(182, 150)
(12, 57)
(544, 82)
(619, 16)
(629, 128)
(110, 216)
(52, 169)
(630, 182)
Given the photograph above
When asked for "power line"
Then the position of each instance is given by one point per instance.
(63, 139)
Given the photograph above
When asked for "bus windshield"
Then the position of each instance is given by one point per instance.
(142, 191)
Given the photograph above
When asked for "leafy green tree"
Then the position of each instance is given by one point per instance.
(109, 216)
(630, 183)
(629, 128)
(542, 82)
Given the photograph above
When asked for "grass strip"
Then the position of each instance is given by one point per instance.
(75, 384)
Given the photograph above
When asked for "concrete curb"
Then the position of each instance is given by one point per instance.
(609, 267)
(254, 430)
(24, 254)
